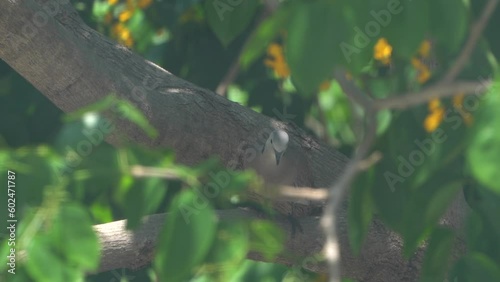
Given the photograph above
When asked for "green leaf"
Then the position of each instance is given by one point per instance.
(407, 26)
(143, 198)
(186, 237)
(229, 18)
(100, 9)
(266, 238)
(437, 255)
(314, 34)
(428, 203)
(130, 112)
(449, 22)
(360, 210)
(265, 33)
(79, 244)
(483, 154)
(475, 267)
(43, 264)
(230, 248)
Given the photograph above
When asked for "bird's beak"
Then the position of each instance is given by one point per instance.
(278, 157)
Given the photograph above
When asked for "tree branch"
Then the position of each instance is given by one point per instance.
(474, 35)
(437, 91)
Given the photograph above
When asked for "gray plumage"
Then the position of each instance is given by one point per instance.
(281, 162)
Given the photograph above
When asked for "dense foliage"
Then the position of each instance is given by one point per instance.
(285, 59)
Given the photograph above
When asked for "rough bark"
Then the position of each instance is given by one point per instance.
(73, 66)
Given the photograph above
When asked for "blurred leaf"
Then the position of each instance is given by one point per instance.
(314, 33)
(437, 255)
(133, 114)
(237, 95)
(229, 18)
(143, 198)
(79, 244)
(100, 9)
(449, 23)
(406, 30)
(44, 264)
(186, 238)
(483, 154)
(229, 250)
(264, 34)
(475, 267)
(266, 238)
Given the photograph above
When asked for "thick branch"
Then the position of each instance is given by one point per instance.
(122, 248)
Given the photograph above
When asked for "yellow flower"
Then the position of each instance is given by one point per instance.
(424, 49)
(382, 51)
(112, 2)
(144, 3)
(125, 15)
(434, 119)
(117, 29)
(123, 34)
(434, 104)
(129, 42)
(276, 60)
(423, 71)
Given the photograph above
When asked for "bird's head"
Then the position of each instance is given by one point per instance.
(279, 142)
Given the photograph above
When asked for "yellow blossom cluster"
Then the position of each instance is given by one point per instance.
(424, 72)
(437, 112)
(435, 116)
(382, 51)
(119, 30)
(276, 60)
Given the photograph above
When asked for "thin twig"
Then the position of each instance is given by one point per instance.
(284, 192)
(351, 90)
(436, 91)
(341, 186)
(143, 171)
(474, 35)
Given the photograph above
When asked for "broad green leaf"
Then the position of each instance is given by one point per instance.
(428, 203)
(143, 198)
(406, 28)
(266, 238)
(266, 32)
(229, 249)
(437, 255)
(483, 154)
(44, 264)
(78, 243)
(449, 23)
(186, 238)
(314, 36)
(229, 18)
(475, 267)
